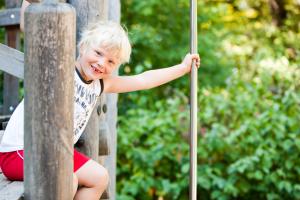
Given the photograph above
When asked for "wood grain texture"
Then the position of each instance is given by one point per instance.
(110, 161)
(10, 17)
(11, 83)
(10, 190)
(104, 142)
(12, 3)
(90, 11)
(11, 57)
(49, 93)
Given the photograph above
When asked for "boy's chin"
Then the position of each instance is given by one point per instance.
(97, 77)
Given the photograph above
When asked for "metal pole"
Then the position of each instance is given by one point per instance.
(193, 107)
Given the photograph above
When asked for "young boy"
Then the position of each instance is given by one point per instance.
(103, 47)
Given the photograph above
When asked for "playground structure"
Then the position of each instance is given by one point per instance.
(47, 77)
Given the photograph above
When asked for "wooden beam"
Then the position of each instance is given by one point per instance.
(11, 83)
(9, 17)
(11, 61)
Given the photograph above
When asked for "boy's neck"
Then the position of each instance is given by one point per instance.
(79, 68)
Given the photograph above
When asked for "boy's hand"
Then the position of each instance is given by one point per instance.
(187, 62)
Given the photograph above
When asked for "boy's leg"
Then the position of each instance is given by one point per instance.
(91, 176)
(75, 184)
(93, 179)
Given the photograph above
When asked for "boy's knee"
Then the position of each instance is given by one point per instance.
(93, 175)
(101, 178)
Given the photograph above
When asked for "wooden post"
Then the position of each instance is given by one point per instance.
(94, 141)
(88, 11)
(110, 161)
(49, 93)
(11, 83)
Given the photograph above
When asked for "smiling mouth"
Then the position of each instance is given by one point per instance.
(95, 69)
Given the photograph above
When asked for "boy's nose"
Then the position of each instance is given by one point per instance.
(101, 63)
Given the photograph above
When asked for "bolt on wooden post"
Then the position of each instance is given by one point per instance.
(49, 92)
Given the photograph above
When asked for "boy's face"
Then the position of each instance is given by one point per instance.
(96, 63)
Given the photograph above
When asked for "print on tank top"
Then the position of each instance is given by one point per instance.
(85, 98)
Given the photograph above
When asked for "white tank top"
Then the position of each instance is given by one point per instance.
(85, 98)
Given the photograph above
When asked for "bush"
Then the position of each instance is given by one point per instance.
(249, 144)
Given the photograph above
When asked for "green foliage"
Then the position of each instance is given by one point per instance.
(249, 102)
(249, 134)
(152, 152)
(2, 3)
(249, 149)
(251, 145)
(159, 31)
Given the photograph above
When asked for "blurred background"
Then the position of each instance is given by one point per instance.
(249, 101)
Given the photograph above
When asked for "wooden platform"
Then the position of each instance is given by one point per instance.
(13, 190)
(10, 190)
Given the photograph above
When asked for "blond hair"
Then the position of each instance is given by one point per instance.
(108, 35)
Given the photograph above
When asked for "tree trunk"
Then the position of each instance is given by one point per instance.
(278, 11)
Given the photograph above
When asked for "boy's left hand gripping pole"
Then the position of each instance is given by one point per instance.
(48, 113)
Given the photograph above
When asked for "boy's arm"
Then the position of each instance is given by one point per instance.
(149, 79)
(25, 3)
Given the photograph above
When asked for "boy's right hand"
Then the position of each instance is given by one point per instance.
(187, 61)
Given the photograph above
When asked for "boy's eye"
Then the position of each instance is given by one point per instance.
(99, 53)
(111, 62)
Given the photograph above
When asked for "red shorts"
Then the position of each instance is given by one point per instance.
(12, 164)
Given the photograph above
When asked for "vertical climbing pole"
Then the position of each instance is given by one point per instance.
(193, 125)
(11, 83)
(49, 88)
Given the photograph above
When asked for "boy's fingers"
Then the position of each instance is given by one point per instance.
(196, 57)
